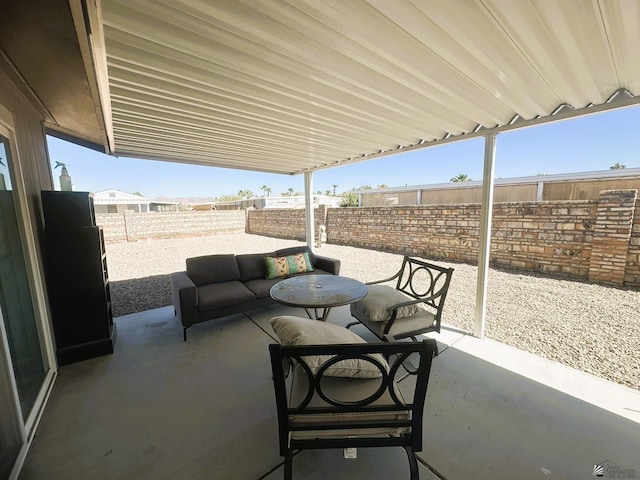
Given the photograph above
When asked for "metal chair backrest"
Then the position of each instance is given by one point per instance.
(424, 280)
(319, 417)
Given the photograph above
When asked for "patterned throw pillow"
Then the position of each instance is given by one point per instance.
(289, 265)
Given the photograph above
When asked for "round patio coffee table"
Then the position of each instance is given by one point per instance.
(318, 293)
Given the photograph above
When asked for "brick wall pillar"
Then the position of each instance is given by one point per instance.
(320, 215)
(632, 276)
(611, 235)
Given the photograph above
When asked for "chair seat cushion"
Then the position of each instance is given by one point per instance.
(344, 390)
(218, 295)
(303, 331)
(375, 306)
(422, 322)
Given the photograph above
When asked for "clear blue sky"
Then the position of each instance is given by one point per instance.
(594, 142)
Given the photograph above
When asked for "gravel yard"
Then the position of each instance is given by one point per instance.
(589, 327)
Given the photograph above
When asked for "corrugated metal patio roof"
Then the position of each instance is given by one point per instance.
(290, 87)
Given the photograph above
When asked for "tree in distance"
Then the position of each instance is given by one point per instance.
(266, 190)
(461, 177)
(228, 198)
(349, 199)
(617, 166)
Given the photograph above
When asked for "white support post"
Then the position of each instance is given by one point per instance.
(484, 247)
(308, 203)
(540, 191)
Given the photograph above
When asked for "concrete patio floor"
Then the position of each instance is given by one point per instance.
(159, 408)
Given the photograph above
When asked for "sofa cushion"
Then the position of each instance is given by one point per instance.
(252, 266)
(293, 250)
(261, 287)
(302, 331)
(289, 265)
(213, 269)
(218, 295)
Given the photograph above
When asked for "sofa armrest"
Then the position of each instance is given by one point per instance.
(331, 265)
(184, 297)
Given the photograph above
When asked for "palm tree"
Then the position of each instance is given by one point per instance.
(266, 190)
(291, 192)
(617, 166)
(245, 194)
(383, 185)
(334, 188)
(462, 177)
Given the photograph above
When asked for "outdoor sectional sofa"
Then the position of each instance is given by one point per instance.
(214, 286)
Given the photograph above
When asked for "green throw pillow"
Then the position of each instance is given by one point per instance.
(289, 265)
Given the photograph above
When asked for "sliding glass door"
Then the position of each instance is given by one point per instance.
(24, 364)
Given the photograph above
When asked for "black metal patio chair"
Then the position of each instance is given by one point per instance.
(412, 307)
(317, 410)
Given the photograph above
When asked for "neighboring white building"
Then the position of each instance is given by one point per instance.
(294, 201)
(115, 201)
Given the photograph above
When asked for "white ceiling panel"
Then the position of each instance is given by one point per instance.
(294, 86)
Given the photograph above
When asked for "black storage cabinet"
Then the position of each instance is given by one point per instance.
(77, 277)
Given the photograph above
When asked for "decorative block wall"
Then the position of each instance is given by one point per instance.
(548, 237)
(611, 236)
(283, 222)
(632, 271)
(132, 226)
(551, 237)
(594, 240)
(554, 237)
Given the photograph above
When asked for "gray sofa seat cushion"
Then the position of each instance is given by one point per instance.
(261, 287)
(252, 266)
(213, 269)
(316, 271)
(218, 295)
